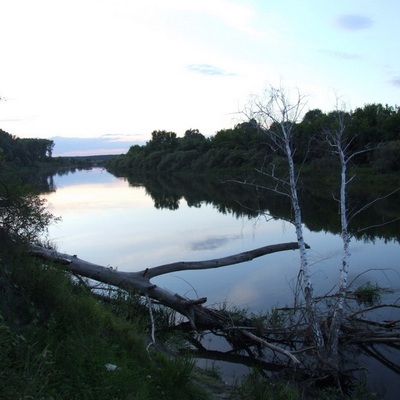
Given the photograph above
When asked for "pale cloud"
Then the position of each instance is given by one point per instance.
(353, 22)
(207, 69)
(395, 81)
(341, 54)
(236, 15)
(213, 243)
(121, 137)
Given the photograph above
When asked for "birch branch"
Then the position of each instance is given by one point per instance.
(270, 345)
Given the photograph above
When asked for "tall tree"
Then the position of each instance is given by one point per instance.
(277, 115)
(341, 145)
(162, 140)
(336, 137)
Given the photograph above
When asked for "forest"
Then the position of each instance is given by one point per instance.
(22, 155)
(373, 126)
(24, 152)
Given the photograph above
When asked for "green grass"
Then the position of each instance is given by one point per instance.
(56, 339)
(368, 294)
(257, 387)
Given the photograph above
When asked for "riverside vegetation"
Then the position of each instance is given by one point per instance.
(51, 342)
(280, 149)
(58, 341)
(245, 147)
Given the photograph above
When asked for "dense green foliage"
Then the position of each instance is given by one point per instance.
(248, 146)
(57, 341)
(23, 215)
(24, 152)
(22, 155)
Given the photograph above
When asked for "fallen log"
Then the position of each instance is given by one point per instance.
(291, 338)
(199, 317)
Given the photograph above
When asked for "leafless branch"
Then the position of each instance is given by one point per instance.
(373, 202)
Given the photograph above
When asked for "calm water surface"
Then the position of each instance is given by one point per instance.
(109, 222)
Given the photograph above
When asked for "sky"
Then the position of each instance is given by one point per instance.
(121, 68)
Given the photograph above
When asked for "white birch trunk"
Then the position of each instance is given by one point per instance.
(298, 223)
(344, 270)
(277, 111)
(304, 265)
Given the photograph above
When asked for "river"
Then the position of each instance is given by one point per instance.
(109, 221)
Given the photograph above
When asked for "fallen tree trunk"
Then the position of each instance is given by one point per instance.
(291, 335)
(199, 317)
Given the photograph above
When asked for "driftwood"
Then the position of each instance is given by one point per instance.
(291, 336)
(199, 317)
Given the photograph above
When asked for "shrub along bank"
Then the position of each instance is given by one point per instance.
(59, 342)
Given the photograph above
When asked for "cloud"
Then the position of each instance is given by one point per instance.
(231, 13)
(353, 22)
(12, 119)
(212, 243)
(116, 137)
(207, 69)
(395, 81)
(340, 54)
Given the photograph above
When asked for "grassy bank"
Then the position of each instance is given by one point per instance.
(58, 342)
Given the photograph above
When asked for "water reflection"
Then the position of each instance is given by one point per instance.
(120, 222)
(135, 223)
(320, 209)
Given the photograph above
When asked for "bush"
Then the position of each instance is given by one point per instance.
(368, 294)
(23, 215)
(57, 341)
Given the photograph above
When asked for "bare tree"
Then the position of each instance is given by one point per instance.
(337, 140)
(340, 146)
(277, 116)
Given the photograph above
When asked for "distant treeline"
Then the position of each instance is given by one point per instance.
(24, 152)
(247, 145)
(20, 153)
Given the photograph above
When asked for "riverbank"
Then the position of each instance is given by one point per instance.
(60, 342)
(146, 322)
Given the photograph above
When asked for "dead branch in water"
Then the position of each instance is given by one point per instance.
(289, 337)
(199, 317)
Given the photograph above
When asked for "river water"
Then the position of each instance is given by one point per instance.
(106, 220)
